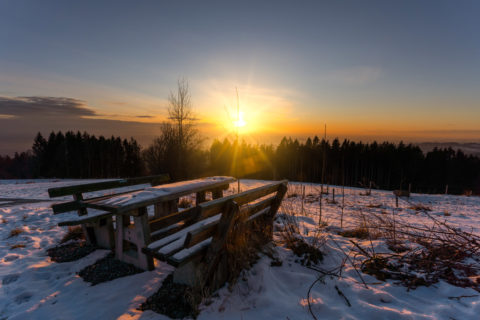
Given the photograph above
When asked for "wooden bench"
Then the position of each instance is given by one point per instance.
(134, 229)
(97, 224)
(195, 240)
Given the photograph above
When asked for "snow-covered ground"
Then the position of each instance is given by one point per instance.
(33, 287)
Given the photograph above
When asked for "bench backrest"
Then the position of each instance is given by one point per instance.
(77, 191)
(245, 206)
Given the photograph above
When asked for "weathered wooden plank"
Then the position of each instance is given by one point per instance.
(97, 186)
(214, 207)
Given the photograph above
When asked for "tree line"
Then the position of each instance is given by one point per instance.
(383, 165)
(75, 155)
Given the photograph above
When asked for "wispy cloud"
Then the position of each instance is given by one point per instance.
(44, 106)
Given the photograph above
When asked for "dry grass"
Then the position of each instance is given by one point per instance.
(18, 245)
(360, 232)
(308, 251)
(435, 250)
(73, 233)
(185, 203)
(15, 232)
(420, 207)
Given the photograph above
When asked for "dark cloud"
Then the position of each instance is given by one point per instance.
(144, 116)
(44, 106)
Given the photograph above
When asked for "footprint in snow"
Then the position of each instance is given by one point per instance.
(23, 297)
(10, 278)
(10, 257)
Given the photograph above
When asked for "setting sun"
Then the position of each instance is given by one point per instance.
(240, 122)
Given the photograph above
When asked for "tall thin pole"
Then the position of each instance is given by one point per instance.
(238, 146)
(324, 156)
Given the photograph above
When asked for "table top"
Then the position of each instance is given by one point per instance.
(126, 203)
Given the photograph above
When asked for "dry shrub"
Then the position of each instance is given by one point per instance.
(360, 232)
(73, 233)
(18, 245)
(420, 207)
(245, 240)
(15, 232)
(308, 251)
(175, 300)
(436, 251)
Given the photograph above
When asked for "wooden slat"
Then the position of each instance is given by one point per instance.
(198, 235)
(163, 222)
(214, 207)
(258, 214)
(165, 232)
(189, 254)
(97, 186)
(249, 210)
(171, 248)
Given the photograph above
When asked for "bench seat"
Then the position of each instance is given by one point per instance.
(92, 216)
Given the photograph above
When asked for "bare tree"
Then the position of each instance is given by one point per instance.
(180, 111)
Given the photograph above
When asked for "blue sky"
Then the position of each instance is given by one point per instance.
(369, 69)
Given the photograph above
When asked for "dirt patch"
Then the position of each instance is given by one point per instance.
(107, 269)
(174, 300)
(70, 251)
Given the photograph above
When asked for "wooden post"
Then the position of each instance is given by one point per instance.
(209, 265)
(446, 189)
(396, 201)
(303, 198)
(320, 209)
(81, 211)
(343, 206)
(131, 239)
(333, 195)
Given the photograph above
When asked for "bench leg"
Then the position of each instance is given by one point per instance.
(100, 233)
(130, 239)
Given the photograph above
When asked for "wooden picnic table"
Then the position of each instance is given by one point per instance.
(128, 203)
(130, 239)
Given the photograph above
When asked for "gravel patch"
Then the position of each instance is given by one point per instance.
(174, 300)
(107, 269)
(70, 251)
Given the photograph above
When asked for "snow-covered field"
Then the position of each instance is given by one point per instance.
(33, 287)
